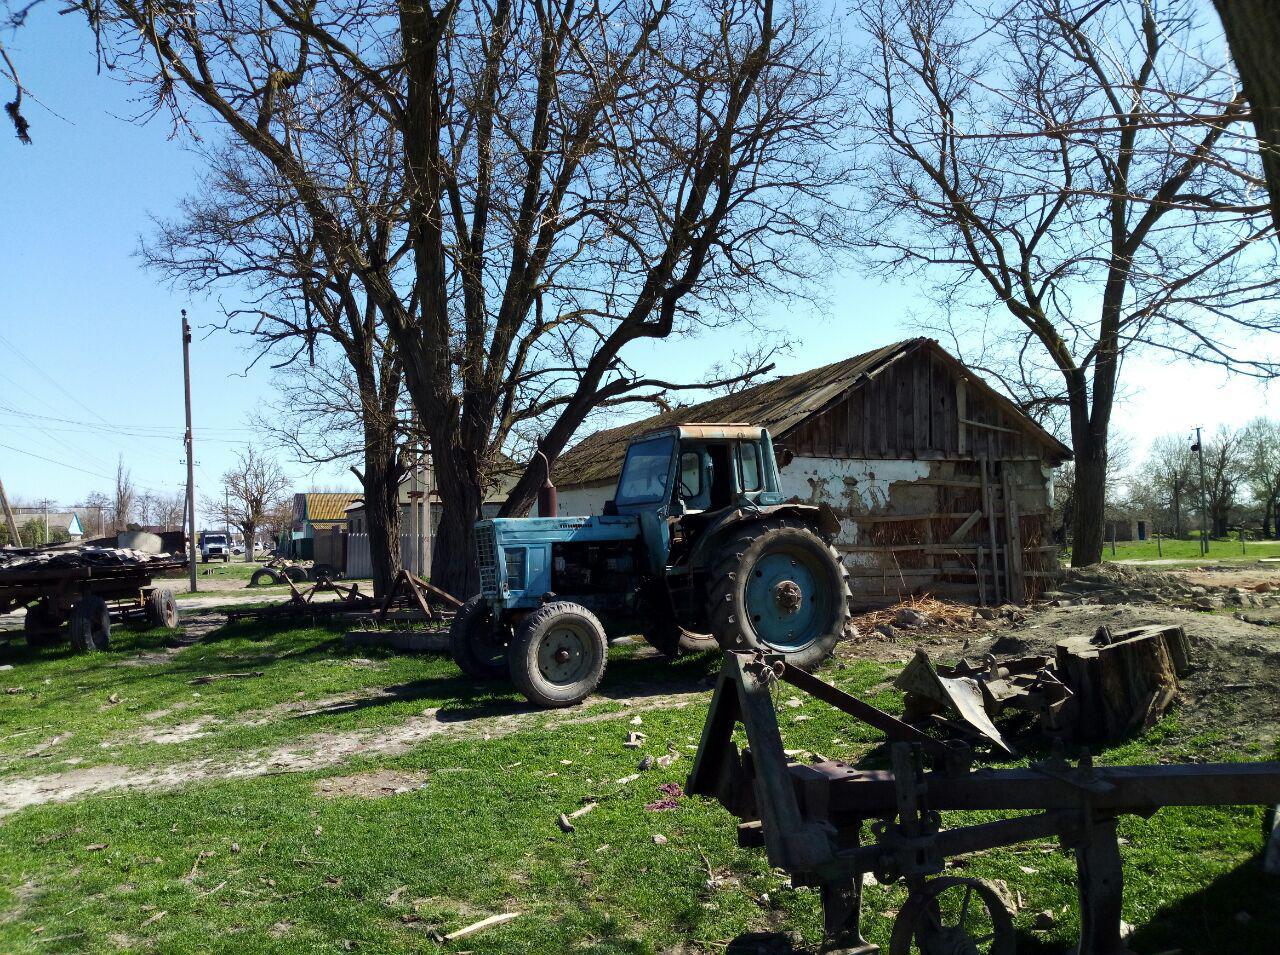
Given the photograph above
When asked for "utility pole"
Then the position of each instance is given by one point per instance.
(191, 460)
(1204, 538)
(428, 470)
(14, 538)
(44, 505)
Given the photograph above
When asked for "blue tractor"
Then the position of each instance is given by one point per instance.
(697, 548)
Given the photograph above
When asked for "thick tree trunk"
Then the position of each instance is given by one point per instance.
(1253, 34)
(381, 482)
(1090, 503)
(1177, 511)
(457, 479)
(250, 532)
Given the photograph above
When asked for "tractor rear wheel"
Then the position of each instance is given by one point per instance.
(558, 655)
(779, 587)
(91, 624)
(478, 643)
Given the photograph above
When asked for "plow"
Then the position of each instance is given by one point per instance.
(810, 817)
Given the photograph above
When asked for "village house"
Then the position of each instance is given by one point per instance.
(940, 483)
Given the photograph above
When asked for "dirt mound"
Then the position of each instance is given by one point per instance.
(1120, 584)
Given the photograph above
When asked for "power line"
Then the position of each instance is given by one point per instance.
(49, 378)
(63, 464)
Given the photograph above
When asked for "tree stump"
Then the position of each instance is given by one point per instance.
(1122, 683)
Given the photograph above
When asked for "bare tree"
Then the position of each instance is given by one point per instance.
(125, 496)
(1261, 449)
(313, 317)
(1170, 477)
(578, 179)
(1072, 172)
(1224, 468)
(254, 489)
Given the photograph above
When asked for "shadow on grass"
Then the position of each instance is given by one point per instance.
(1237, 912)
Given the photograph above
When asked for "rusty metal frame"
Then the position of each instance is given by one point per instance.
(808, 816)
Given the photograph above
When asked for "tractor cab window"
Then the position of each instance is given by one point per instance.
(749, 469)
(690, 475)
(644, 475)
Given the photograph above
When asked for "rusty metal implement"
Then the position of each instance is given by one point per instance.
(809, 817)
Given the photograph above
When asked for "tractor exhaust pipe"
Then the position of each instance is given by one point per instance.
(548, 502)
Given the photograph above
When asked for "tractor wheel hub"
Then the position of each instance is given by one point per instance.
(787, 595)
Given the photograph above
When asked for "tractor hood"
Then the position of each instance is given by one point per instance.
(514, 553)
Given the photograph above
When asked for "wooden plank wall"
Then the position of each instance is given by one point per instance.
(916, 408)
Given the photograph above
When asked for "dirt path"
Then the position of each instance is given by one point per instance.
(1232, 691)
(318, 750)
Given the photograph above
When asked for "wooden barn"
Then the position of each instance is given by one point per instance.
(941, 484)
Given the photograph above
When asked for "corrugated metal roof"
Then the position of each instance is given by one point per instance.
(328, 506)
(778, 405)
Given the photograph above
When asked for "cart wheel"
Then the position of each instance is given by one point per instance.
(296, 574)
(324, 572)
(558, 655)
(264, 576)
(953, 915)
(162, 608)
(91, 624)
(41, 626)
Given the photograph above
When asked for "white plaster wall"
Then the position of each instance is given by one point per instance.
(583, 501)
(847, 485)
(851, 487)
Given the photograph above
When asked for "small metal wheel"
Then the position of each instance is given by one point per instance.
(558, 655)
(162, 608)
(478, 643)
(953, 916)
(91, 624)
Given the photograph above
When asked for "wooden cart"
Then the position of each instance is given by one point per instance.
(88, 597)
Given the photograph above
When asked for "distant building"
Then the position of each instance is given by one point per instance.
(317, 514)
(63, 525)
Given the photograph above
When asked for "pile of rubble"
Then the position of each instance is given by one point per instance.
(1117, 584)
(17, 562)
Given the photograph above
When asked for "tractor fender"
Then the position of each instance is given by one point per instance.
(820, 517)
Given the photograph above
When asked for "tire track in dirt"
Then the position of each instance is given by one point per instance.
(317, 751)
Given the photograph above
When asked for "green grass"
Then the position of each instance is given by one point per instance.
(268, 864)
(1220, 551)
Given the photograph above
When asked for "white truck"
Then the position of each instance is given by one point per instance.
(214, 547)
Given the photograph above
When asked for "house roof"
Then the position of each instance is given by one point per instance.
(327, 506)
(779, 405)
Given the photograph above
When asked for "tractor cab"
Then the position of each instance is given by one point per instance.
(678, 479)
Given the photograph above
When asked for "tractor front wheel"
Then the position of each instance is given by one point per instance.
(779, 587)
(477, 642)
(558, 655)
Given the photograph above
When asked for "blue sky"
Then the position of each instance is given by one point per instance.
(89, 340)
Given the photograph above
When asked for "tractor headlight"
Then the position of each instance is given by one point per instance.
(515, 564)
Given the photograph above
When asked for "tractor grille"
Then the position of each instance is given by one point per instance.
(487, 559)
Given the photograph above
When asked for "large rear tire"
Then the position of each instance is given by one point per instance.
(558, 655)
(91, 624)
(777, 586)
(478, 643)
